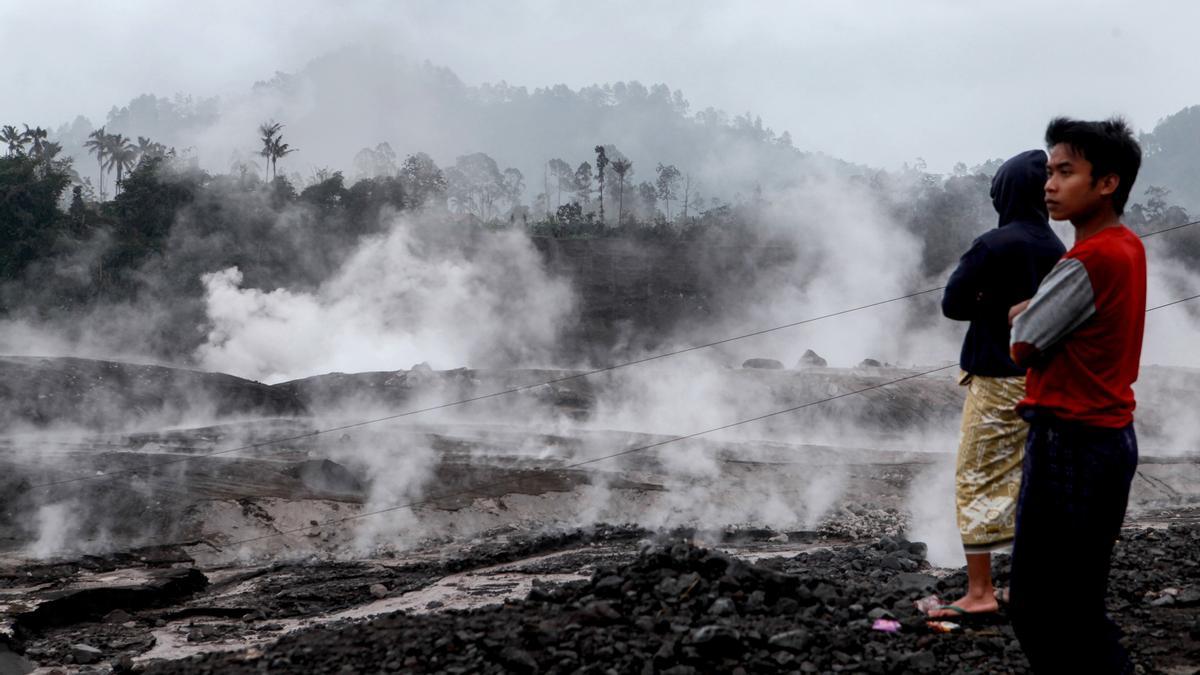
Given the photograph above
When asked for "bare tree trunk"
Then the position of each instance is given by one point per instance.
(687, 191)
(621, 201)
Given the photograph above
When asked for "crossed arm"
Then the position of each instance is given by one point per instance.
(1063, 301)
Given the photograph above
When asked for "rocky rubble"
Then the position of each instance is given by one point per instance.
(677, 608)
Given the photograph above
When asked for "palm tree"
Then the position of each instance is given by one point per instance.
(121, 155)
(47, 152)
(279, 149)
(98, 145)
(38, 136)
(15, 139)
(601, 162)
(268, 130)
(147, 149)
(621, 167)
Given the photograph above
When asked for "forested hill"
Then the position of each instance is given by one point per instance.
(191, 225)
(356, 98)
(1172, 158)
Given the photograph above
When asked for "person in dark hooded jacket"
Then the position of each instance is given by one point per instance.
(1002, 268)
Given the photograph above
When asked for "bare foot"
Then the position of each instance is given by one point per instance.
(971, 604)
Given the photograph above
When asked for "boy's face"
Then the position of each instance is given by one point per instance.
(1071, 193)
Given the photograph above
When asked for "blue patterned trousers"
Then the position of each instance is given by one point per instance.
(1074, 489)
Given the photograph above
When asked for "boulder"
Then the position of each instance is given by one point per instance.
(323, 475)
(91, 602)
(85, 653)
(811, 359)
(765, 364)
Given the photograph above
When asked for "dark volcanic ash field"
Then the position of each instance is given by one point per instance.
(188, 538)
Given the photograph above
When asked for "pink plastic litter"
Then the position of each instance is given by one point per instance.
(928, 603)
(886, 625)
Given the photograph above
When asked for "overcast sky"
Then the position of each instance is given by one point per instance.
(873, 82)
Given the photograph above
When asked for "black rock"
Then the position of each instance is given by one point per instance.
(825, 593)
(767, 364)
(609, 586)
(922, 662)
(722, 607)
(518, 660)
(715, 638)
(85, 654)
(323, 475)
(913, 581)
(793, 640)
(1163, 601)
(1188, 597)
(811, 359)
(665, 652)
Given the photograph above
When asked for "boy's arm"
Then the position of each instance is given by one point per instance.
(1062, 302)
(963, 296)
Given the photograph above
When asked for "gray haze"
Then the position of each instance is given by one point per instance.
(879, 83)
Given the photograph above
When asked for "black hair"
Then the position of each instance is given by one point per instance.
(1108, 145)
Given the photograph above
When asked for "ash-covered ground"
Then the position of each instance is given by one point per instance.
(189, 538)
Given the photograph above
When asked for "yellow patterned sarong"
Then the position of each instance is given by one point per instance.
(988, 477)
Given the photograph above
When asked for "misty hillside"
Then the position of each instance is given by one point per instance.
(371, 97)
(1172, 158)
(359, 98)
(571, 226)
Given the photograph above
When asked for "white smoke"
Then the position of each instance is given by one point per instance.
(401, 298)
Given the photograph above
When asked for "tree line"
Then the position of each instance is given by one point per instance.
(66, 247)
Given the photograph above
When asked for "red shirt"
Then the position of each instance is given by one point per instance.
(1082, 333)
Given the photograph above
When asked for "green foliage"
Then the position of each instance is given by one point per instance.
(1172, 159)
(327, 194)
(1158, 213)
(947, 216)
(30, 219)
(144, 214)
(667, 184)
(475, 185)
(367, 200)
(14, 139)
(423, 181)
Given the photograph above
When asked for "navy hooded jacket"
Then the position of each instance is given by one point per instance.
(1003, 266)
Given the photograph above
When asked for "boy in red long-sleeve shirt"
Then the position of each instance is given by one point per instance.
(1081, 338)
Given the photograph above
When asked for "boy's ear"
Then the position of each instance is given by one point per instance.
(1108, 184)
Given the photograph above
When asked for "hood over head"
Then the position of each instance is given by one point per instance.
(1018, 188)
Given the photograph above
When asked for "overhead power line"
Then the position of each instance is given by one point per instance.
(622, 453)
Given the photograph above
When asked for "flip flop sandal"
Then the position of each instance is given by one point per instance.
(963, 616)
